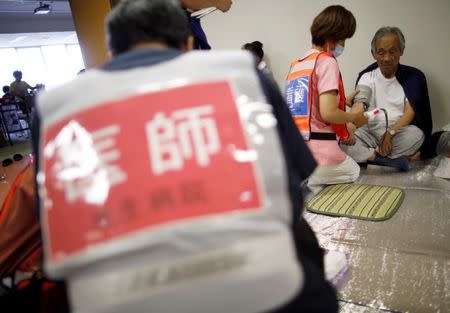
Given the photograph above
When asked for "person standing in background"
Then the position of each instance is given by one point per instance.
(19, 88)
(256, 48)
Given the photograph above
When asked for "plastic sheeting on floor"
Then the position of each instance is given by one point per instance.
(402, 264)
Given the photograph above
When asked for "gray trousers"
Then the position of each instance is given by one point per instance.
(405, 142)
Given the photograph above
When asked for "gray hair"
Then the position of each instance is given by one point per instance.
(388, 30)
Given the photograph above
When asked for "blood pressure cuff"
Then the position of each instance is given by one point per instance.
(364, 95)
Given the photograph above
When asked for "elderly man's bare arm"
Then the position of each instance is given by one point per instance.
(385, 147)
(222, 5)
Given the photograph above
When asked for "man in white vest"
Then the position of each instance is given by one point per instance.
(171, 183)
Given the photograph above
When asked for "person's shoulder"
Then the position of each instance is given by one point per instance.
(371, 75)
(326, 65)
(369, 68)
(409, 68)
(410, 72)
(140, 58)
(268, 85)
(325, 60)
(411, 75)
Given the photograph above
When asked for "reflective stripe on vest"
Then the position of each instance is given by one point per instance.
(298, 92)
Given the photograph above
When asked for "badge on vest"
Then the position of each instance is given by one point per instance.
(297, 93)
(143, 162)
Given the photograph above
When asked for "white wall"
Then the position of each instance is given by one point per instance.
(283, 27)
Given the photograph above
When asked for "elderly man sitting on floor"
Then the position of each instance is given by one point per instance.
(401, 132)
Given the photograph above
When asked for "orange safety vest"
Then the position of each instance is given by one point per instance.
(298, 93)
(20, 241)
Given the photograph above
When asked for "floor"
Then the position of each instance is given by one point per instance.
(402, 264)
(21, 146)
(398, 265)
(8, 174)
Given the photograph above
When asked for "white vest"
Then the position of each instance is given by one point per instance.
(164, 189)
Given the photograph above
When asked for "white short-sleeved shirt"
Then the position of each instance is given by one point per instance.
(388, 94)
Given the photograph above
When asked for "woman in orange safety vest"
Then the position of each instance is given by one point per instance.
(315, 95)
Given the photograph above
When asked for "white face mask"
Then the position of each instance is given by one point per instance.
(337, 50)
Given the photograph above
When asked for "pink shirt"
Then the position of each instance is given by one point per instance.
(325, 78)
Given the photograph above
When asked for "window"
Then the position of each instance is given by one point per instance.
(32, 65)
(9, 62)
(50, 65)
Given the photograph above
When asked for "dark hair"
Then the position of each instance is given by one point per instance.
(136, 21)
(256, 47)
(333, 23)
(6, 89)
(17, 73)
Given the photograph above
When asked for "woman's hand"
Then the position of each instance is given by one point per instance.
(195, 5)
(351, 140)
(359, 119)
(224, 5)
(350, 98)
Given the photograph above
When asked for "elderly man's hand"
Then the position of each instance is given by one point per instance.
(385, 147)
(223, 5)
